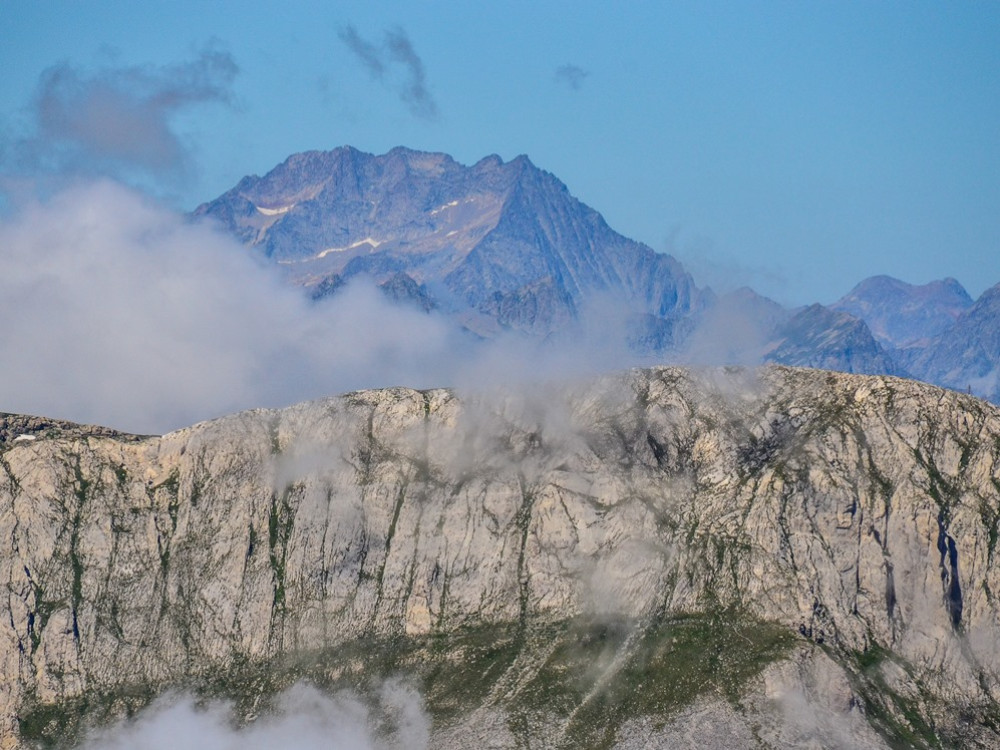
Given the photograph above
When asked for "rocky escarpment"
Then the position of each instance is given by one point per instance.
(768, 559)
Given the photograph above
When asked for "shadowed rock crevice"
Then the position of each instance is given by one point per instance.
(949, 573)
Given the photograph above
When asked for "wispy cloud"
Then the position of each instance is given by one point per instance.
(305, 718)
(571, 75)
(117, 120)
(395, 53)
(414, 92)
(369, 55)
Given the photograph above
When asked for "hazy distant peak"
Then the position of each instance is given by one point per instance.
(953, 285)
(487, 162)
(829, 339)
(991, 294)
(901, 314)
(947, 288)
(476, 235)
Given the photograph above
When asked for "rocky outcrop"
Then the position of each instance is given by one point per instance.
(787, 556)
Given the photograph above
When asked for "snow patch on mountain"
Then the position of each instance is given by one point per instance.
(275, 211)
(366, 241)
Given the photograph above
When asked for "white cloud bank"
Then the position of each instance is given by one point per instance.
(305, 719)
(117, 311)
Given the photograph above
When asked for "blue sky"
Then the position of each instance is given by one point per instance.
(795, 147)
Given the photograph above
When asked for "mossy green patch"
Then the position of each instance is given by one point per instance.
(279, 530)
(62, 725)
(900, 720)
(590, 676)
(603, 674)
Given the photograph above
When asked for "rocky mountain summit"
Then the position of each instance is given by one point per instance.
(965, 356)
(495, 244)
(775, 558)
(818, 336)
(934, 332)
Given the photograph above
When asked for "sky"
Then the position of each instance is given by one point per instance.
(795, 147)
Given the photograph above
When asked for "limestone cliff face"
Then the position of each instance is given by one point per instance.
(608, 563)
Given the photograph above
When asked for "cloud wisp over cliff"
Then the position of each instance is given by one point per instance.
(125, 313)
(316, 721)
(133, 315)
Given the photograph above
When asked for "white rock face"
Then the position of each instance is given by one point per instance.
(858, 514)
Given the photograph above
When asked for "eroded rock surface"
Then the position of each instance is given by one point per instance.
(595, 565)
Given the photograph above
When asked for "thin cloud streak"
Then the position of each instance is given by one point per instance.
(571, 75)
(365, 51)
(414, 92)
(396, 52)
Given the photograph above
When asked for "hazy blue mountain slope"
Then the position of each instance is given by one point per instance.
(967, 355)
(901, 314)
(817, 336)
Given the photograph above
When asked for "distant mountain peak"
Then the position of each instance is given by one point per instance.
(901, 314)
(495, 228)
(966, 356)
(818, 336)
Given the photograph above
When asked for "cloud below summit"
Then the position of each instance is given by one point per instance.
(124, 313)
(304, 718)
